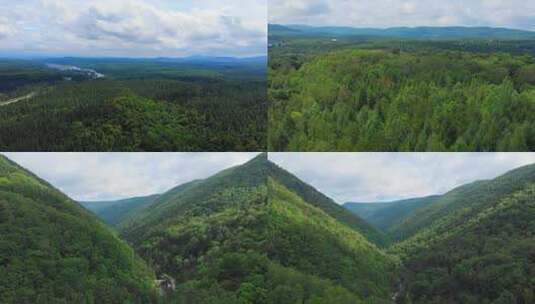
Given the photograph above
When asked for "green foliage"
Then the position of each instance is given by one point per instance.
(348, 98)
(309, 240)
(53, 251)
(459, 204)
(135, 108)
(487, 259)
(317, 199)
(225, 240)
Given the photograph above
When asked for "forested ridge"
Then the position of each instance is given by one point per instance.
(473, 244)
(366, 94)
(54, 251)
(255, 233)
(234, 238)
(138, 106)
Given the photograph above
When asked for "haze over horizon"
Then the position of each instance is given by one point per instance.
(133, 28)
(513, 14)
(384, 177)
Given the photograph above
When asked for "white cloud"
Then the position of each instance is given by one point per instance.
(137, 27)
(103, 176)
(390, 13)
(366, 177)
(6, 29)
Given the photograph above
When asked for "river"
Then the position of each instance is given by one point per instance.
(91, 73)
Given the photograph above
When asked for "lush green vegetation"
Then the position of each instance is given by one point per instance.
(317, 199)
(461, 203)
(54, 251)
(255, 233)
(231, 238)
(486, 259)
(388, 94)
(140, 105)
(470, 245)
(309, 240)
(210, 235)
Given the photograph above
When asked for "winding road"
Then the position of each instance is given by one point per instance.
(14, 100)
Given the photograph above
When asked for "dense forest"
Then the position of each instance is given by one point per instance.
(255, 233)
(73, 104)
(54, 251)
(232, 238)
(473, 244)
(364, 93)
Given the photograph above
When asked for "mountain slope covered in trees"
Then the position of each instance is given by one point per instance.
(210, 235)
(233, 238)
(317, 199)
(473, 244)
(461, 203)
(480, 254)
(54, 251)
(308, 240)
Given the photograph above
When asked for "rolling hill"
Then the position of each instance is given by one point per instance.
(54, 251)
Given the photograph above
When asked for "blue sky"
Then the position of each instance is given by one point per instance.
(108, 176)
(518, 14)
(133, 28)
(370, 177)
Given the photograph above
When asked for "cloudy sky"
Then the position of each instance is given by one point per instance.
(108, 176)
(388, 13)
(133, 28)
(371, 177)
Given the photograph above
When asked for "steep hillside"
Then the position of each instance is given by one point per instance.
(385, 215)
(317, 199)
(460, 204)
(114, 212)
(486, 257)
(54, 251)
(210, 235)
(307, 239)
(234, 238)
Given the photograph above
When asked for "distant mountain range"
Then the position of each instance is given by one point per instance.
(454, 32)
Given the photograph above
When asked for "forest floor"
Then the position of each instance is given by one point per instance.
(21, 98)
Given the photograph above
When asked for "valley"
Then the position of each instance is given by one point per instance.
(256, 233)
